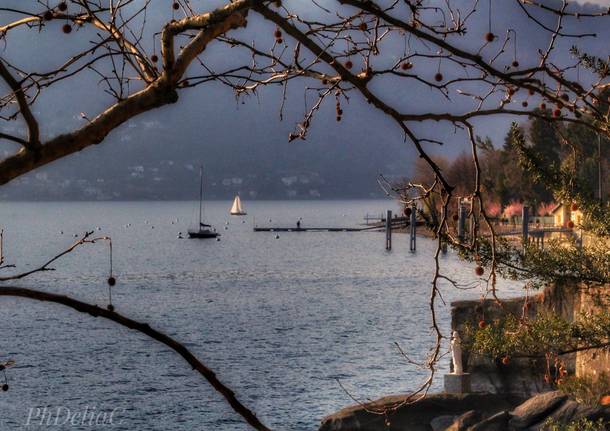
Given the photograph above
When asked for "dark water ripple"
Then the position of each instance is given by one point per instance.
(280, 320)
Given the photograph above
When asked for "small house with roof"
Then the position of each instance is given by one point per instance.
(564, 213)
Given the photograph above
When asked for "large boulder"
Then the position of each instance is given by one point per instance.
(571, 411)
(536, 408)
(441, 423)
(463, 422)
(497, 422)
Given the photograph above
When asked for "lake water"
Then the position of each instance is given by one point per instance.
(279, 320)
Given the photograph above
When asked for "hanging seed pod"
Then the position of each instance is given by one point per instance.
(515, 64)
(277, 34)
(67, 28)
(482, 324)
(63, 6)
(524, 104)
(406, 65)
(349, 64)
(176, 6)
(543, 106)
(479, 271)
(110, 307)
(505, 360)
(48, 15)
(277, 3)
(111, 281)
(438, 77)
(154, 58)
(363, 26)
(489, 37)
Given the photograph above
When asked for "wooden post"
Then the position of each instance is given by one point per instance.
(444, 243)
(461, 221)
(388, 230)
(412, 244)
(525, 222)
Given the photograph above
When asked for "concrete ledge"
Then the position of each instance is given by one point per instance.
(457, 383)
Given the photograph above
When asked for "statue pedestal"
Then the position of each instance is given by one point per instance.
(457, 383)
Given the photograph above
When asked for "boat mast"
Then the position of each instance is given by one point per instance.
(200, 194)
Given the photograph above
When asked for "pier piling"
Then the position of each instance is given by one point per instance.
(412, 243)
(461, 221)
(526, 221)
(388, 230)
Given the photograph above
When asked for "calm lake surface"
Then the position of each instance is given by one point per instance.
(279, 320)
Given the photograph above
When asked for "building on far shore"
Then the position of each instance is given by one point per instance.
(563, 214)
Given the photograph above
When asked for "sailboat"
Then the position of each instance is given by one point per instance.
(203, 230)
(236, 209)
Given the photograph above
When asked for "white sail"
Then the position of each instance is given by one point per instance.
(236, 208)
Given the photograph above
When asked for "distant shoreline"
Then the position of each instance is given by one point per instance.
(229, 199)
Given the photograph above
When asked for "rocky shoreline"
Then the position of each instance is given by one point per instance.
(502, 397)
(467, 412)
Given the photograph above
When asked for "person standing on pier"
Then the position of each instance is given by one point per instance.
(298, 224)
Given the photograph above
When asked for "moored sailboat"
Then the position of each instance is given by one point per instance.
(237, 209)
(203, 230)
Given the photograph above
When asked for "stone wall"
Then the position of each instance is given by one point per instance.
(526, 375)
(592, 363)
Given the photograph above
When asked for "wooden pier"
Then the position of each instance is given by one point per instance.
(396, 223)
(309, 229)
(513, 231)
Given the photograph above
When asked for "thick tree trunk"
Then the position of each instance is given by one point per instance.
(155, 95)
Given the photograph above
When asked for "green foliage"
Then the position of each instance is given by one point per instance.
(567, 261)
(562, 261)
(566, 179)
(577, 425)
(547, 333)
(587, 390)
(515, 337)
(504, 180)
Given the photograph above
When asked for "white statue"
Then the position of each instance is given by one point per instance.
(456, 353)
